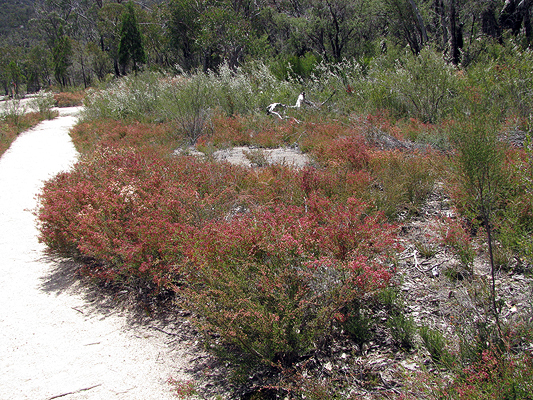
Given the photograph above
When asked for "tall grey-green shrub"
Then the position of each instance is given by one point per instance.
(153, 96)
(135, 97)
(478, 163)
(190, 104)
(425, 86)
(505, 83)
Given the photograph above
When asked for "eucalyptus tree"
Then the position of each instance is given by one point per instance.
(516, 14)
(183, 28)
(334, 26)
(38, 67)
(62, 59)
(406, 23)
(108, 26)
(208, 33)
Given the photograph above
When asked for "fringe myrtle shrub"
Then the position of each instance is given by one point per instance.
(270, 282)
(69, 99)
(348, 151)
(403, 180)
(130, 211)
(495, 376)
(89, 136)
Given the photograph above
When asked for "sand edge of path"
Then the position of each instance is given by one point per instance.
(57, 339)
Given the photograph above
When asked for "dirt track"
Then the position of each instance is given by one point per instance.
(55, 341)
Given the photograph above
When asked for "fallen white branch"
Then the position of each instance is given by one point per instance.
(271, 109)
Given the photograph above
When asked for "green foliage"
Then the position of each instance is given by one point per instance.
(15, 77)
(435, 344)
(403, 181)
(426, 86)
(478, 167)
(295, 67)
(422, 86)
(357, 323)
(131, 46)
(516, 226)
(44, 102)
(151, 96)
(62, 59)
(402, 329)
(502, 84)
(183, 25)
(455, 235)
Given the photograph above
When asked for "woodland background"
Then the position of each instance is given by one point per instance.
(77, 42)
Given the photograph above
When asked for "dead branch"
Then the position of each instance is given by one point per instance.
(76, 391)
(271, 109)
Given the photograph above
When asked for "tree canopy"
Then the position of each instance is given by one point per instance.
(75, 42)
(131, 43)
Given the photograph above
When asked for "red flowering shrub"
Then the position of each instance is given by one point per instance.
(88, 136)
(229, 131)
(270, 282)
(496, 376)
(129, 210)
(69, 99)
(349, 152)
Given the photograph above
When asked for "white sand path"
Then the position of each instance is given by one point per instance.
(54, 343)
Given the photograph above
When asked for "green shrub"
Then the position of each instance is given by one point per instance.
(190, 98)
(358, 323)
(503, 84)
(435, 344)
(402, 328)
(43, 103)
(425, 86)
(403, 181)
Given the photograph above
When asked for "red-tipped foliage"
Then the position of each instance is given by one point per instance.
(130, 210)
(270, 281)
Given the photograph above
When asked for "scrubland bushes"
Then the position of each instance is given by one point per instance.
(16, 117)
(275, 261)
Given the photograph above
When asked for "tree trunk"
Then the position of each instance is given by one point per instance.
(117, 69)
(456, 35)
(526, 6)
(420, 22)
(510, 17)
(489, 24)
(440, 22)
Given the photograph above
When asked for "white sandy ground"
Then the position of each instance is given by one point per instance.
(54, 341)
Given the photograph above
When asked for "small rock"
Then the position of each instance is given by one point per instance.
(411, 366)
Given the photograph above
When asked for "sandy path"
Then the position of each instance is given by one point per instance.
(53, 340)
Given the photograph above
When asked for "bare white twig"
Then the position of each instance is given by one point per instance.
(76, 391)
(271, 109)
